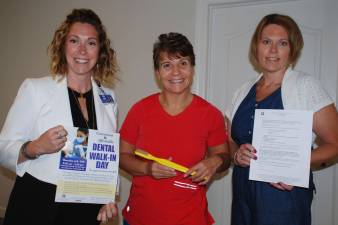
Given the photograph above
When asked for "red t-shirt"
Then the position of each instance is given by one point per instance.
(184, 137)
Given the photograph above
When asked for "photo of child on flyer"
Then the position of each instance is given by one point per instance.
(80, 143)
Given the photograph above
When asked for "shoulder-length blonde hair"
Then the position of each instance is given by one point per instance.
(294, 34)
(105, 71)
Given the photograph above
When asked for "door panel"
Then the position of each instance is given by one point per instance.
(224, 30)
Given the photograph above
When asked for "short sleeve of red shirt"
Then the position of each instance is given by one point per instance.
(130, 127)
(217, 134)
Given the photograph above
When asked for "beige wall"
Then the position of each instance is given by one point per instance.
(133, 25)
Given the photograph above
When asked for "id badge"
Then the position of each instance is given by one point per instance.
(105, 99)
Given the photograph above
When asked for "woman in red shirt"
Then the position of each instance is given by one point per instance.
(177, 125)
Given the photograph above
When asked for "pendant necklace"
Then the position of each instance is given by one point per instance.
(82, 106)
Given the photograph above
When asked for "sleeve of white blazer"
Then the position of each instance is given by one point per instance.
(18, 125)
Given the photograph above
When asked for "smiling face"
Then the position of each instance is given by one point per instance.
(175, 74)
(273, 49)
(81, 49)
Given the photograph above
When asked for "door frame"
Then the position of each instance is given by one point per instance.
(204, 10)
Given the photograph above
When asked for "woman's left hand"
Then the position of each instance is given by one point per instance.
(203, 171)
(107, 212)
(281, 186)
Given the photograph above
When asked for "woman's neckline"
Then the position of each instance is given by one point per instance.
(178, 112)
(80, 94)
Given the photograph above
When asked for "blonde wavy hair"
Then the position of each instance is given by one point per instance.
(105, 71)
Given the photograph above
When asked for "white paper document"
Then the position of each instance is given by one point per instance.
(282, 139)
(88, 167)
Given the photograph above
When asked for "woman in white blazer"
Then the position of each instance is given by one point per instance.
(78, 94)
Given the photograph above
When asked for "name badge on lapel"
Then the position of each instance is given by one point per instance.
(105, 98)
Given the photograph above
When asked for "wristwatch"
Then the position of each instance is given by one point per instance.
(23, 150)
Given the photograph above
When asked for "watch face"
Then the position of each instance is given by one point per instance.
(23, 150)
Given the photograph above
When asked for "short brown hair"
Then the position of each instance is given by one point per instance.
(294, 34)
(175, 44)
(106, 69)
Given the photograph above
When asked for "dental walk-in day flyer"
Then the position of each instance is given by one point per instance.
(282, 139)
(88, 167)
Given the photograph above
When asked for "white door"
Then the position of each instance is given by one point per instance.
(223, 33)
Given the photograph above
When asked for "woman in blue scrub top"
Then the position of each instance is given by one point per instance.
(275, 48)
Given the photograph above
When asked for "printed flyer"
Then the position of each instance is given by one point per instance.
(88, 167)
(283, 141)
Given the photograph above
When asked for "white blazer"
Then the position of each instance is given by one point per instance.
(40, 104)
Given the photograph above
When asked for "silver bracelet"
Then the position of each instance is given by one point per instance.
(23, 150)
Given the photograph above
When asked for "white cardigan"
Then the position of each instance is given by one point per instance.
(299, 91)
(40, 104)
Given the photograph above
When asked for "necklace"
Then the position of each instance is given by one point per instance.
(81, 103)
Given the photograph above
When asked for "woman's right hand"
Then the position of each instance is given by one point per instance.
(244, 154)
(159, 171)
(51, 141)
